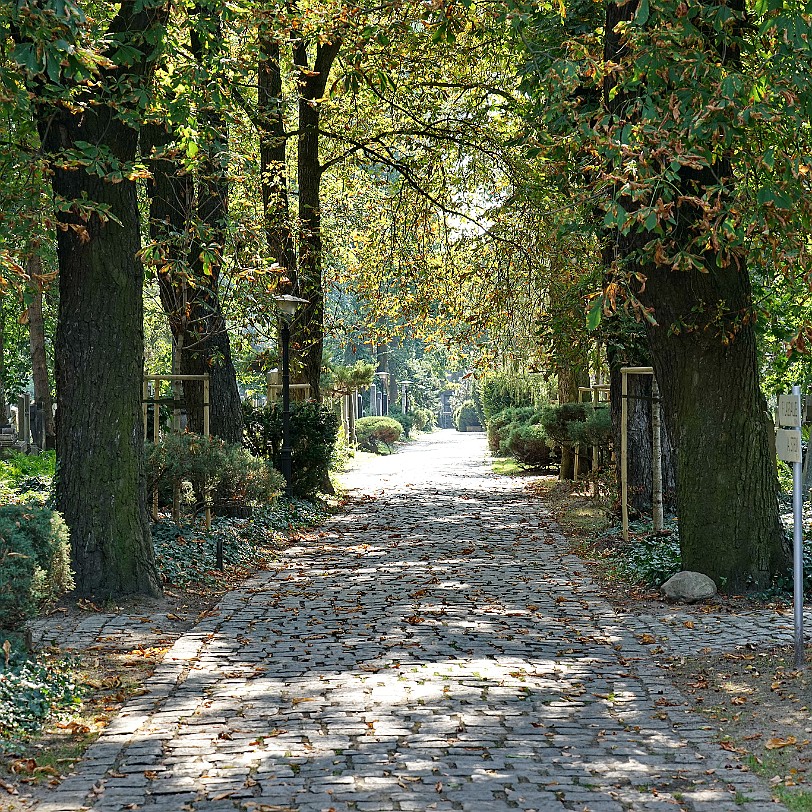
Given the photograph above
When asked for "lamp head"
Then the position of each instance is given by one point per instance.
(288, 305)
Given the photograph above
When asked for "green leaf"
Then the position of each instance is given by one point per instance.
(643, 12)
(593, 317)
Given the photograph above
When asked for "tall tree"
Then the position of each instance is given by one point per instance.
(87, 122)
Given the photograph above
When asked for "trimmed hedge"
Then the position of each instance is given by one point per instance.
(34, 561)
(371, 431)
(313, 429)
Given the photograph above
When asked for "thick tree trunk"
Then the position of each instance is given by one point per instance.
(39, 358)
(704, 356)
(727, 487)
(99, 348)
(99, 354)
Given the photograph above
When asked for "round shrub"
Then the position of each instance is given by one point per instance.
(556, 420)
(407, 421)
(528, 443)
(466, 415)
(596, 430)
(423, 419)
(371, 431)
(499, 426)
(34, 561)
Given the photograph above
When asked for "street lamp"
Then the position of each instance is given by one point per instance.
(406, 385)
(287, 306)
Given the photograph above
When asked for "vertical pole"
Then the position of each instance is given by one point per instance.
(624, 450)
(156, 436)
(286, 453)
(798, 553)
(657, 459)
(144, 398)
(207, 433)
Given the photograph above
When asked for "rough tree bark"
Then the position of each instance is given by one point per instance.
(99, 346)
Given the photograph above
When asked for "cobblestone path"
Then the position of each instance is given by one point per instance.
(437, 648)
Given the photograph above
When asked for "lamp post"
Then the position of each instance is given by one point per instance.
(384, 378)
(406, 385)
(287, 306)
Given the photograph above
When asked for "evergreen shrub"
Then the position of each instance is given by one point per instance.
(314, 430)
(226, 471)
(34, 561)
(596, 430)
(556, 420)
(466, 415)
(407, 421)
(528, 443)
(500, 425)
(371, 431)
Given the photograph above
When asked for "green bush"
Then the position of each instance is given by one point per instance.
(313, 430)
(407, 421)
(500, 425)
(528, 443)
(226, 471)
(500, 392)
(424, 419)
(651, 560)
(556, 420)
(371, 431)
(596, 430)
(34, 561)
(466, 415)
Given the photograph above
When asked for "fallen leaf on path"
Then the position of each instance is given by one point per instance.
(648, 639)
(776, 743)
(9, 788)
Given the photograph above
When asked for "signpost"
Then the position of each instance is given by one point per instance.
(788, 448)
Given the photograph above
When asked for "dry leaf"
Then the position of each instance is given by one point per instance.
(739, 700)
(648, 639)
(689, 624)
(9, 788)
(776, 743)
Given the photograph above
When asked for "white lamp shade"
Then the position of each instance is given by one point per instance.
(288, 305)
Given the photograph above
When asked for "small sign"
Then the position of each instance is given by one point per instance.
(789, 410)
(788, 445)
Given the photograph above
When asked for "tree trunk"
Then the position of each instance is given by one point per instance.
(99, 354)
(99, 348)
(639, 437)
(704, 356)
(39, 360)
(194, 310)
(726, 481)
(568, 393)
(307, 330)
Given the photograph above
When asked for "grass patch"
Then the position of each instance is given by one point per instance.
(796, 800)
(510, 466)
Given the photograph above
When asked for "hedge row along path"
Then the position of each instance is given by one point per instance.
(436, 647)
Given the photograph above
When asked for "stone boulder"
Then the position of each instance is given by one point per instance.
(689, 587)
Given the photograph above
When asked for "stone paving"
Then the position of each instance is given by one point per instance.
(435, 648)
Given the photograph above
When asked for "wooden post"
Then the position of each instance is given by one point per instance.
(144, 409)
(657, 459)
(624, 450)
(156, 436)
(207, 433)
